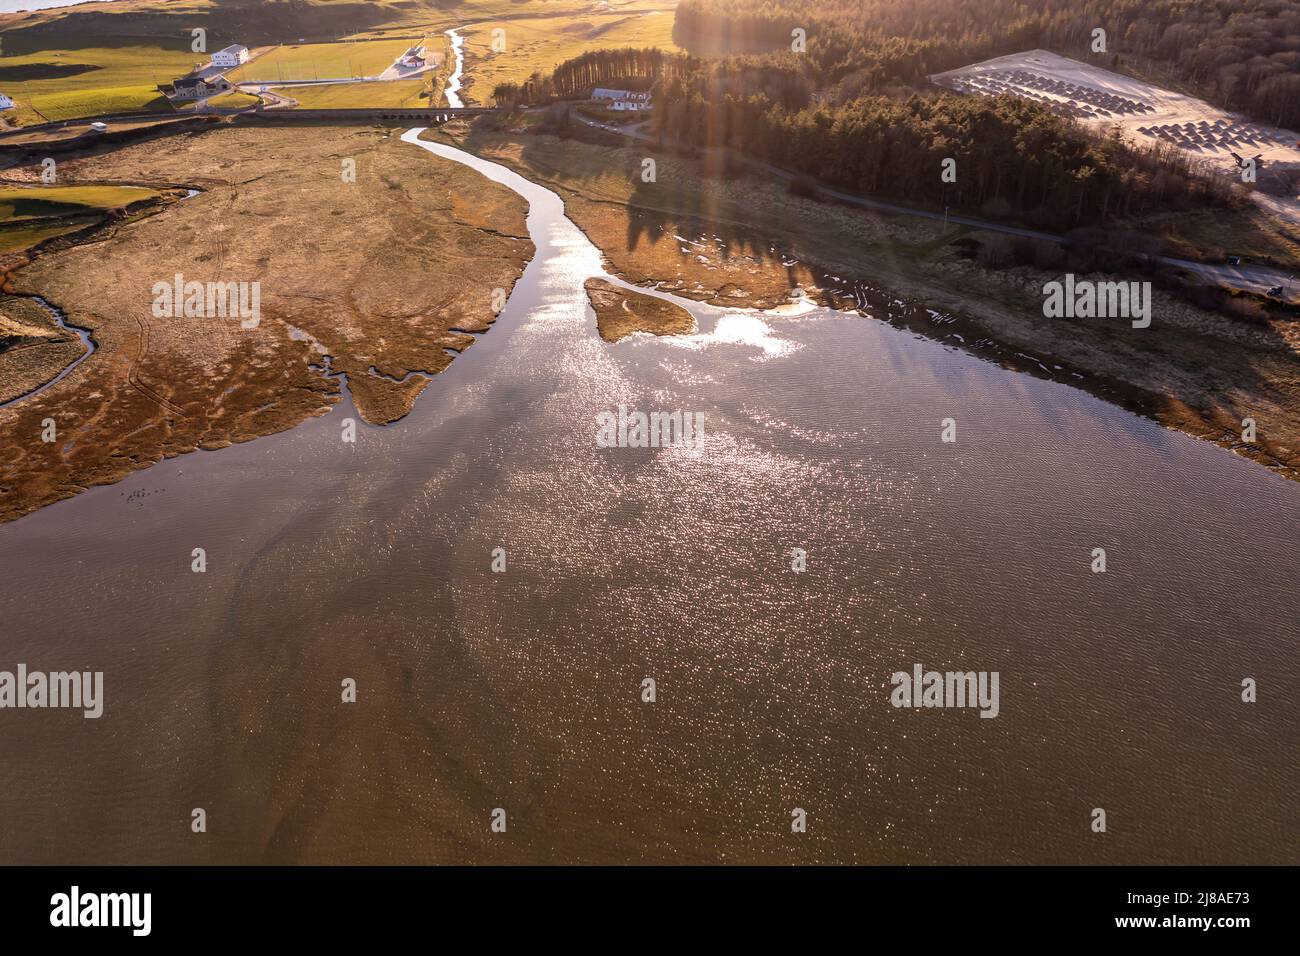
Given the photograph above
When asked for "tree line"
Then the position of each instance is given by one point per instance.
(1241, 54)
(1009, 157)
(631, 67)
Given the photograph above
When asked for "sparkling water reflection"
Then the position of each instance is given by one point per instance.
(521, 690)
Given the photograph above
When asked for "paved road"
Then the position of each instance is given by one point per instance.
(1248, 277)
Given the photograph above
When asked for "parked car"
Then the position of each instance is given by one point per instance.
(1275, 292)
(99, 127)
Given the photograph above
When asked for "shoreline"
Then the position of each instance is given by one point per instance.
(967, 316)
(929, 310)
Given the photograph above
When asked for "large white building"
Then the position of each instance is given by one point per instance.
(5, 102)
(230, 56)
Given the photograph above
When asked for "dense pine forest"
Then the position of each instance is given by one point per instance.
(631, 67)
(1242, 54)
(855, 110)
(1013, 157)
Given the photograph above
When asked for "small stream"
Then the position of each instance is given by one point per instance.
(87, 339)
(565, 252)
(87, 342)
(454, 81)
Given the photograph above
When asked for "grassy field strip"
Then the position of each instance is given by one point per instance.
(19, 202)
(377, 94)
(537, 45)
(357, 95)
(66, 84)
(121, 99)
(480, 11)
(322, 61)
(70, 81)
(28, 216)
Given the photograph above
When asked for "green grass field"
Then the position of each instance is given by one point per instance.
(119, 99)
(52, 76)
(28, 216)
(323, 61)
(541, 44)
(1219, 233)
(251, 22)
(439, 17)
(357, 95)
(42, 202)
(258, 22)
(66, 84)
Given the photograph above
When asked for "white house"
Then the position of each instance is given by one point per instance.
(630, 105)
(600, 93)
(230, 56)
(5, 102)
(414, 57)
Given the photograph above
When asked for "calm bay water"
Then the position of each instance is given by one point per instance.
(522, 690)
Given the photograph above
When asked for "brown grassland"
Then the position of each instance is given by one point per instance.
(387, 273)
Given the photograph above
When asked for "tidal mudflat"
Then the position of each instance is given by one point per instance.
(388, 276)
